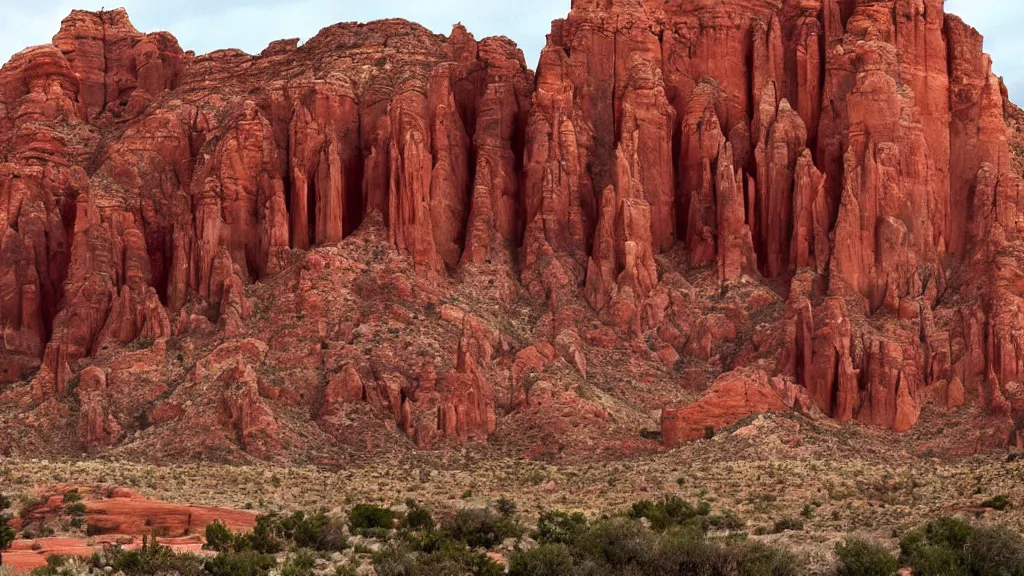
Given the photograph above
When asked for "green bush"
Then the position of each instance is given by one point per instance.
(862, 558)
(315, 531)
(952, 547)
(1000, 502)
(417, 518)
(554, 527)
(7, 533)
(395, 560)
(757, 559)
(544, 560)
(506, 507)
(156, 559)
(482, 528)
(56, 565)
(936, 549)
(449, 558)
(457, 559)
(273, 533)
(683, 552)
(671, 511)
(625, 546)
(617, 543)
(786, 524)
(265, 538)
(728, 520)
(995, 551)
(301, 563)
(244, 563)
(219, 537)
(368, 516)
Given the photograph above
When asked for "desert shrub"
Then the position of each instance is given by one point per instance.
(57, 565)
(394, 560)
(727, 520)
(368, 517)
(301, 563)
(273, 533)
(417, 518)
(265, 537)
(315, 531)
(72, 496)
(1000, 502)
(617, 543)
(219, 537)
(994, 551)
(936, 549)
(544, 560)
(952, 547)
(482, 528)
(346, 570)
(625, 546)
(506, 507)
(671, 511)
(155, 559)
(450, 558)
(555, 527)
(757, 559)
(683, 552)
(784, 524)
(244, 563)
(862, 558)
(7, 533)
(456, 559)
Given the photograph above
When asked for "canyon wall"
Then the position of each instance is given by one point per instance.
(820, 190)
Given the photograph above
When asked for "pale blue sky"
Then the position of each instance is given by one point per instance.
(205, 25)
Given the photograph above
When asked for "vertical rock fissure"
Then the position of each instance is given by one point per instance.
(352, 207)
(311, 208)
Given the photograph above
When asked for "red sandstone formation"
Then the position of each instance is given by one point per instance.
(390, 232)
(731, 398)
(119, 511)
(119, 516)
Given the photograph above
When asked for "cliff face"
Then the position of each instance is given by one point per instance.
(386, 231)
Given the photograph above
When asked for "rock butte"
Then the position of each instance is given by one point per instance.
(312, 252)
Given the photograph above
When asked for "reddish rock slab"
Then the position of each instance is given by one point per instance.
(731, 398)
(141, 516)
(122, 512)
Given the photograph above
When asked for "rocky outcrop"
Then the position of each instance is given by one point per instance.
(133, 515)
(118, 516)
(733, 397)
(121, 70)
(386, 230)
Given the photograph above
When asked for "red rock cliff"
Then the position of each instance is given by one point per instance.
(387, 225)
